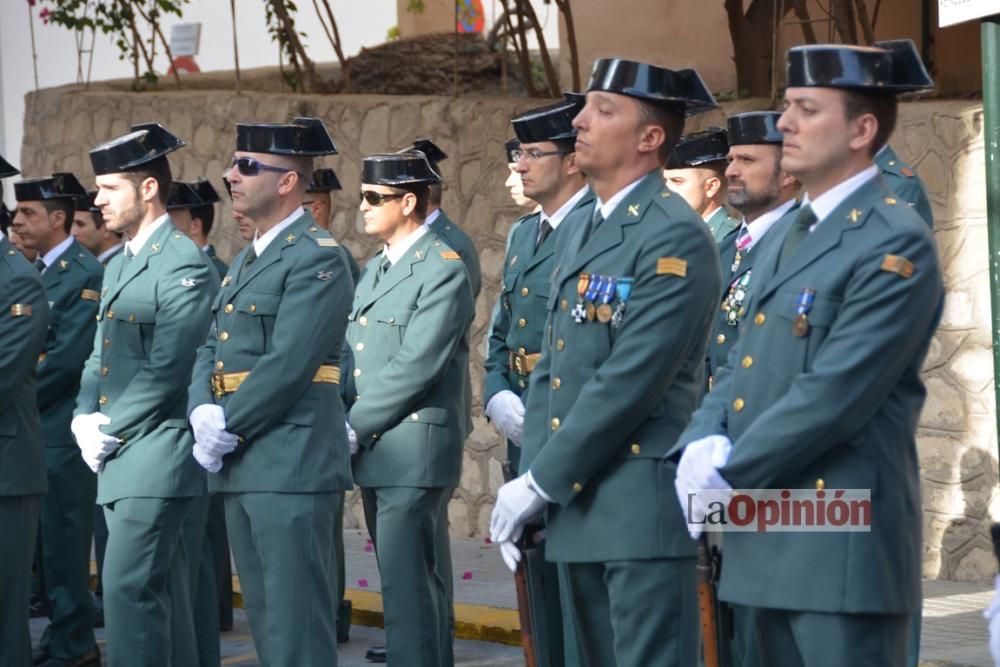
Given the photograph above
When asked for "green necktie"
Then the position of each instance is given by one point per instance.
(40, 264)
(797, 233)
(595, 222)
(383, 268)
(248, 259)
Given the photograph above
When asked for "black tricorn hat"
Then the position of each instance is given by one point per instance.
(145, 143)
(323, 180)
(862, 68)
(182, 196)
(395, 169)
(907, 67)
(60, 185)
(431, 150)
(552, 122)
(7, 169)
(226, 184)
(682, 90)
(509, 147)
(754, 127)
(699, 148)
(578, 99)
(86, 202)
(205, 191)
(307, 137)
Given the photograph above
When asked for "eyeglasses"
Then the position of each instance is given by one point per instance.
(377, 198)
(247, 166)
(531, 156)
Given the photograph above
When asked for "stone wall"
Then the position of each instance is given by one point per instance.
(943, 140)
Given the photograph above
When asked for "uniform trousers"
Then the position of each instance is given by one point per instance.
(18, 526)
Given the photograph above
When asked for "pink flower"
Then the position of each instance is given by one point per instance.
(363, 583)
(487, 541)
(369, 548)
(466, 576)
(44, 15)
(31, 3)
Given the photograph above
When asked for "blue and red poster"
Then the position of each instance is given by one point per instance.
(470, 16)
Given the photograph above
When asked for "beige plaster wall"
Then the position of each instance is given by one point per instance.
(943, 140)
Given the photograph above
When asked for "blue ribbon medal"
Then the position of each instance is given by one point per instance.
(800, 327)
(608, 291)
(596, 285)
(624, 292)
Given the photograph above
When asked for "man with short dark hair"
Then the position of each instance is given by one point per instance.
(90, 231)
(130, 417)
(265, 405)
(192, 207)
(696, 170)
(823, 389)
(24, 316)
(72, 280)
(411, 314)
(636, 283)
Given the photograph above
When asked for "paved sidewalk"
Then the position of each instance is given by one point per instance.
(954, 632)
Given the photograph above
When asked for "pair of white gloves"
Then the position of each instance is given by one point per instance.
(506, 411)
(95, 445)
(698, 482)
(519, 502)
(211, 439)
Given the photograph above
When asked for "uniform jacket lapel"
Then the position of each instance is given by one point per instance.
(548, 248)
(272, 253)
(135, 266)
(399, 271)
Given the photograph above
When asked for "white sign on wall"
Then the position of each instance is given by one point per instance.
(184, 38)
(951, 12)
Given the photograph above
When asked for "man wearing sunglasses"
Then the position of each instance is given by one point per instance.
(265, 404)
(411, 313)
(546, 165)
(130, 417)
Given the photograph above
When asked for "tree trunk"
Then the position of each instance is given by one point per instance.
(574, 56)
(752, 34)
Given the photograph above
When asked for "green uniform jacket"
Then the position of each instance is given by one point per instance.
(406, 334)
(220, 267)
(721, 224)
(154, 313)
(725, 331)
(605, 403)
(73, 287)
(839, 404)
(901, 179)
(458, 240)
(24, 316)
(519, 316)
(281, 320)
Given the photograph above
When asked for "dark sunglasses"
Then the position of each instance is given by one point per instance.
(247, 166)
(377, 198)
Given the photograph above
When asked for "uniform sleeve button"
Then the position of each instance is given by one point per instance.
(635, 448)
(577, 487)
(720, 339)
(229, 308)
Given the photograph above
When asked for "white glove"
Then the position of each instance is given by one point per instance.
(94, 444)
(698, 482)
(517, 504)
(992, 616)
(212, 464)
(208, 422)
(352, 439)
(511, 555)
(506, 410)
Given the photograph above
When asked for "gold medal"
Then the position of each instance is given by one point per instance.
(604, 313)
(801, 326)
(591, 311)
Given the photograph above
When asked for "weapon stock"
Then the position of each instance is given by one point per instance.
(706, 603)
(523, 602)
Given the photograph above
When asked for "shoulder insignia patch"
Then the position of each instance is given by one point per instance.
(671, 266)
(226, 281)
(289, 238)
(633, 210)
(450, 254)
(20, 310)
(189, 282)
(906, 171)
(63, 264)
(326, 243)
(891, 201)
(665, 192)
(898, 264)
(90, 295)
(324, 275)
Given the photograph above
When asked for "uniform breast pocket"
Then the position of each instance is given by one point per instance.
(802, 323)
(135, 324)
(254, 324)
(510, 277)
(392, 328)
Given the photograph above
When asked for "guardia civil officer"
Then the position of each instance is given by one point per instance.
(546, 163)
(898, 175)
(72, 279)
(696, 170)
(757, 187)
(410, 317)
(130, 421)
(24, 318)
(319, 202)
(265, 407)
(823, 389)
(633, 295)
(90, 232)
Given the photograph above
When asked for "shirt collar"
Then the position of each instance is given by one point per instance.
(827, 202)
(110, 252)
(608, 207)
(432, 217)
(398, 249)
(134, 245)
(759, 227)
(556, 218)
(260, 243)
(52, 255)
(714, 213)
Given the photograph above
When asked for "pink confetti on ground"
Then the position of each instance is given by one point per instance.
(487, 541)
(369, 548)
(467, 576)
(363, 583)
